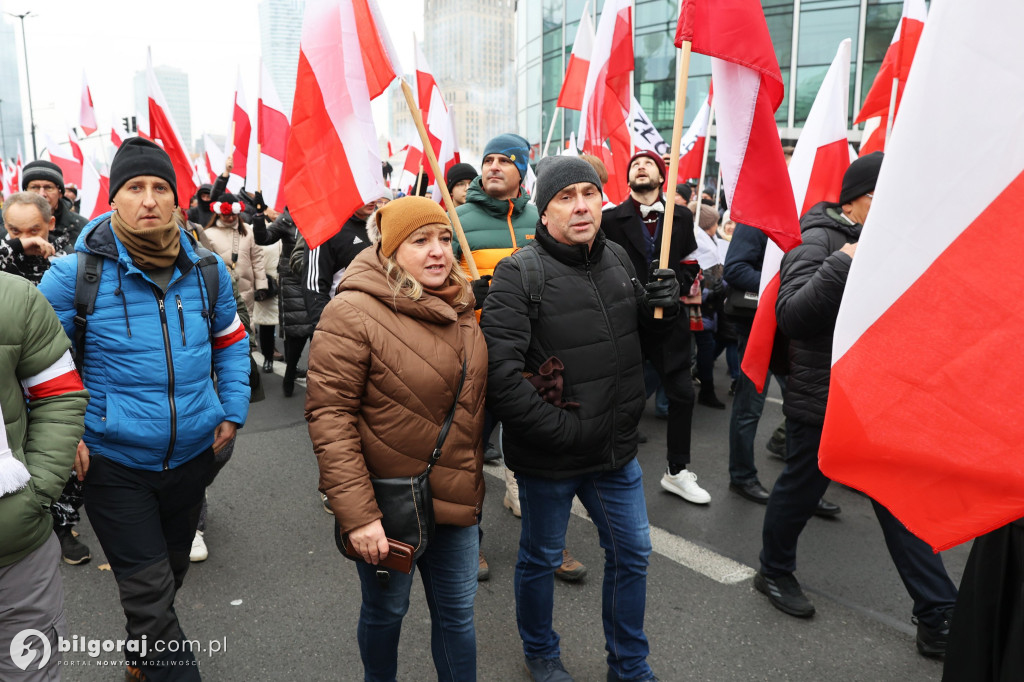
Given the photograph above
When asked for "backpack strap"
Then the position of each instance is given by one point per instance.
(87, 284)
(531, 269)
(210, 273)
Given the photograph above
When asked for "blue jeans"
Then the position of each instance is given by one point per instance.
(448, 570)
(615, 500)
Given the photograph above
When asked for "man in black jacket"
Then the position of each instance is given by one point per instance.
(46, 179)
(635, 225)
(563, 321)
(813, 278)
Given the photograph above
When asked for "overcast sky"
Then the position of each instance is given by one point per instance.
(208, 39)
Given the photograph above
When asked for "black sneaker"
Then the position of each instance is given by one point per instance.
(71, 550)
(777, 447)
(785, 594)
(491, 453)
(931, 641)
(547, 670)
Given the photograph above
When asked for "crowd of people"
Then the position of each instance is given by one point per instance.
(134, 370)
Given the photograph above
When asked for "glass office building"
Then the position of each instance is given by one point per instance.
(806, 34)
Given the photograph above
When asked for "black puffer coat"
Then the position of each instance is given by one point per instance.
(589, 318)
(812, 282)
(291, 303)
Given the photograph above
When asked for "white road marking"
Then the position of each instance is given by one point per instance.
(680, 550)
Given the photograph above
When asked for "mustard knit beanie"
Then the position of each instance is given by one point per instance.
(398, 219)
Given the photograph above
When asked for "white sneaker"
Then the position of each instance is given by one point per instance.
(199, 551)
(684, 484)
(511, 500)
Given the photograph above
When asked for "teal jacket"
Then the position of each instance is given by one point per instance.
(42, 432)
(495, 228)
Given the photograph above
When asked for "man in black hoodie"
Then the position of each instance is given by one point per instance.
(813, 277)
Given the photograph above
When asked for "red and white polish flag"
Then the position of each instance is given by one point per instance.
(748, 91)
(94, 191)
(70, 167)
(213, 159)
(272, 135)
(241, 128)
(691, 146)
(923, 411)
(820, 159)
(438, 120)
(115, 136)
(345, 59)
(163, 131)
(575, 83)
(87, 114)
(894, 71)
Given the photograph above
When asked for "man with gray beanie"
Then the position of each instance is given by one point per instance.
(812, 280)
(162, 317)
(564, 320)
(46, 179)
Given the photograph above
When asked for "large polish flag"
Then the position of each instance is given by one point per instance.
(892, 74)
(87, 113)
(575, 83)
(241, 130)
(162, 129)
(820, 159)
(414, 164)
(607, 96)
(94, 191)
(924, 406)
(272, 137)
(748, 91)
(691, 146)
(332, 165)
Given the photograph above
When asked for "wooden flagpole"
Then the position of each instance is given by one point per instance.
(419, 174)
(439, 178)
(551, 131)
(704, 164)
(683, 71)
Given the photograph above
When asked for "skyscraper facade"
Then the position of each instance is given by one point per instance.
(11, 127)
(280, 31)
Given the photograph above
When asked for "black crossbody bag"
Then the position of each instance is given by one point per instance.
(405, 503)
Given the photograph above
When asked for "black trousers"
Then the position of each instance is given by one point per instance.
(293, 346)
(671, 360)
(793, 501)
(266, 336)
(145, 522)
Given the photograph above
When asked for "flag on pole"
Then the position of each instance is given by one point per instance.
(894, 70)
(820, 159)
(87, 114)
(414, 163)
(332, 165)
(115, 137)
(902, 424)
(437, 119)
(575, 83)
(607, 96)
(645, 135)
(241, 127)
(70, 167)
(691, 146)
(748, 91)
(272, 135)
(162, 128)
(213, 159)
(93, 192)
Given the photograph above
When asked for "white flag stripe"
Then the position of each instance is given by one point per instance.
(62, 366)
(736, 91)
(913, 218)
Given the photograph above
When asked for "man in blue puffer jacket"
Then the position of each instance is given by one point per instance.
(155, 417)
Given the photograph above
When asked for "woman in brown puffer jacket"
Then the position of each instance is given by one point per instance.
(384, 369)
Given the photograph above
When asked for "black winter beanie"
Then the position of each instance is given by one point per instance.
(860, 177)
(458, 173)
(137, 156)
(42, 170)
(555, 173)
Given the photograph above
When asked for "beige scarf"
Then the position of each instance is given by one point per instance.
(150, 247)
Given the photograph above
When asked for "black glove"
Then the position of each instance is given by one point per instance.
(662, 291)
(261, 294)
(261, 205)
(480, 288)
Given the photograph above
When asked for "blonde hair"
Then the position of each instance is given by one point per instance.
(404, 284)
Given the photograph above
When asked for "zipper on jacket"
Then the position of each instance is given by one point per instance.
(181, 319)
(511, 230)
(170, 377)
(615, 347)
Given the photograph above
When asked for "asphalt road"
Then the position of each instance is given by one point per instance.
(282, 604)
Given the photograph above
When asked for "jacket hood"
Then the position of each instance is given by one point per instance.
(819, 216)
(366, 274)
(496, 207)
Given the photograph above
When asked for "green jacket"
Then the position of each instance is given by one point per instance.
(42, 434)
(489, 225)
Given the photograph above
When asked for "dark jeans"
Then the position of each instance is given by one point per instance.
(671, 361)
(793, 501)
(705, 341)
(448, 570)
(145, 522)
(747, 406)
(615, 501)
